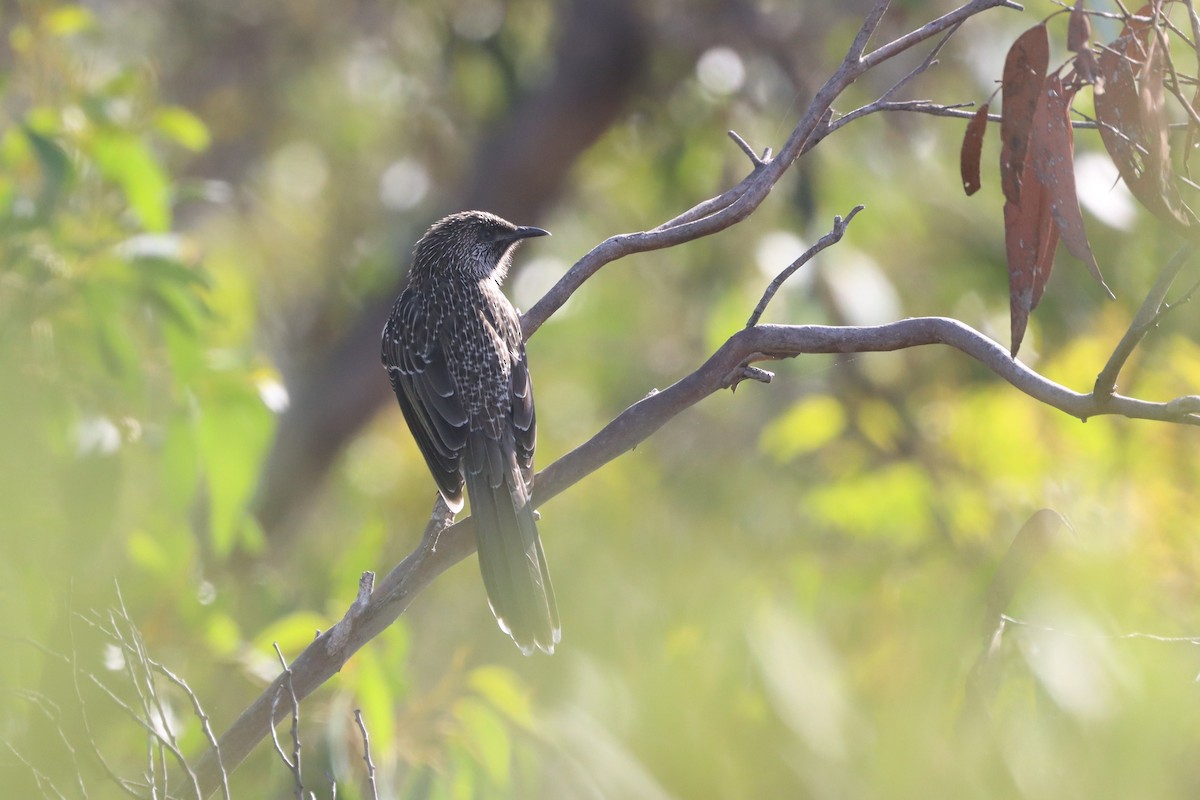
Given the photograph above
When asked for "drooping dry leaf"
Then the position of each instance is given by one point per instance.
(972, 148)
(1079, 29)
(1052, 156)
(1133, 126)
(1030, 239)
(1119, 113)
(1087, 69)
(1024, 72)
(1189, 140)
(1153, 107)
(1135, 35)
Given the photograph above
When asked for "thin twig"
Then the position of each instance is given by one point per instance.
(1153, 637)
(366, 740)
(955, 17)
(43, 781)
(1147, 316)
(205, 725)
(53, 715)
(294, 763)
(128, 648)
(749, 151)
(1174, 84)
(274, 735)
(147, 672)
(76, 671)
(867, 30)
(929, 61)
(833, 237)
(146, 725)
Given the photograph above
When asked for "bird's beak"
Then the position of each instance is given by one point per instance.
(528, 232)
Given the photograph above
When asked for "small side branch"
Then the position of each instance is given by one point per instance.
(1151, 312)
(293, 763)
(366, 740)
(833, 237)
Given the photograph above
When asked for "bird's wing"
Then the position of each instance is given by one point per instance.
(501, 317)
(524, 416)
(415, 360)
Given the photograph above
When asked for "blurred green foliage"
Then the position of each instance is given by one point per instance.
(779, 595)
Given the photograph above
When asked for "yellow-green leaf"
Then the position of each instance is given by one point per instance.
(127, 161)
(182, 127)
(807, 425)
(66, 20)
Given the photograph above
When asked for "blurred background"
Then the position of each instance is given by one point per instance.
(205, 212)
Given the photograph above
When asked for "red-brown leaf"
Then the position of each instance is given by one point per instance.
(1029, 240)
(1118, 110)
(1152, 97)
(1135, 35)
(1087, 69)
(1024, 72)
(1133, 128)
(1190, 140)
(1079, 29)
(972, 148)
(1052, 156)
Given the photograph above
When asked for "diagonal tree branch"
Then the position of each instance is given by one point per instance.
(721, 212)
(1151, 311)
(443, 546)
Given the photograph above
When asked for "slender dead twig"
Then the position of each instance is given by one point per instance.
(53, 714)
(833, 237)
(44, 784)
(366, 740)
(72, 661)
(292, 763)
(1148, 315)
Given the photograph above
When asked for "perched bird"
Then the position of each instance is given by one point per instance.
(456, 358)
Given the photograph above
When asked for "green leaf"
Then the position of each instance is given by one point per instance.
(292, 633)
(117, 341)
(182, 127)
(809, 424)
(222, 634)
(899, 512)
(503, 689)
(374, 696)
(233, 429)
(55, 166)
(127, 161)
(487, 739)
(67, 20)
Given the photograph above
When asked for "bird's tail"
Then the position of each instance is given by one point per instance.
(511, 559)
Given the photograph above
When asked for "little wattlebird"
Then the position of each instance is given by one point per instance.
(454, 352)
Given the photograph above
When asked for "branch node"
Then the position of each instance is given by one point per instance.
(749, 151)
(745, 372)
(340, 633)
(1184, 406)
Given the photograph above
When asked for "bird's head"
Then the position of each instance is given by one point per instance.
(474, 243)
